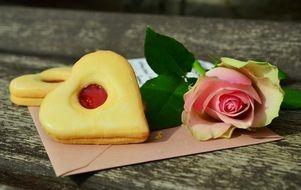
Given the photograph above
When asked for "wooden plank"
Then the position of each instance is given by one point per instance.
(65, 34)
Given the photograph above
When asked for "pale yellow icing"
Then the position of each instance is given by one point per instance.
(56, 74)
(30, 86)
(30, 89)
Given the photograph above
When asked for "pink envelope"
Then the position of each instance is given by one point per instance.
(168, 143)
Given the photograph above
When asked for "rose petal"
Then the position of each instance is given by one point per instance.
(230, 104)
(191, 95)
(242, 123)
(232, 63)
(245, 99)
(215, 101)
(266, 79)
(209, 87)
(229, 132)
(272, 98)
(229, 75)
(201, 128)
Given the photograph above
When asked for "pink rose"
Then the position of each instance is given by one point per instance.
(233, 95)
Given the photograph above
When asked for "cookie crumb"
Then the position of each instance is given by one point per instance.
(159, 135)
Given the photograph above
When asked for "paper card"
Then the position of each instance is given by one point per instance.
(69, 159)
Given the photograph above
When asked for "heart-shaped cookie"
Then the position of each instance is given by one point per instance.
(100, 103)
(30, 89)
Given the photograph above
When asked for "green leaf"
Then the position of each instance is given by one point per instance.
(292, 98)
(197, 66)
(163, 99)
(281, 74)
(166, 55)
(191, 81)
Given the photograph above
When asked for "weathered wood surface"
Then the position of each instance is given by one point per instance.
(34, 39)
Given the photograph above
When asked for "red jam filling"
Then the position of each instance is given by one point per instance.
(92, 96)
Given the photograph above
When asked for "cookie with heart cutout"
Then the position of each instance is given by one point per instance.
(100, 103)
(30, 89)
